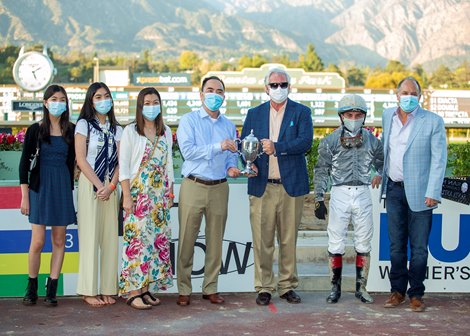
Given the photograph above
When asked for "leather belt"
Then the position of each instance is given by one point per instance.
(399, 183)
(206, 182)
(275, 181)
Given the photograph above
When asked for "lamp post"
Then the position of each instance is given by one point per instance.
(96, 69)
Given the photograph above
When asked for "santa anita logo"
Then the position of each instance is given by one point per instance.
(448, 265)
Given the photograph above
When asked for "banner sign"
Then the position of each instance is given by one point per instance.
(449, 249)
(162, 79)
(254, 77)
(236, 273)
(26, 105)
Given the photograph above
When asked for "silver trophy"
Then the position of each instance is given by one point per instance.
(250, 151)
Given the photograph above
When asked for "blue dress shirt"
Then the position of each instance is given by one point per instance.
(199, 137)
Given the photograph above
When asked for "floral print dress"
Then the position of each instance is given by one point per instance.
(147, 233)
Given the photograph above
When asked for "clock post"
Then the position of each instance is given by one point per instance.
(32, 72)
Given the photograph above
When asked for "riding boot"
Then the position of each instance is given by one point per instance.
(336, 268)
(362, 272)
(31, 296)
(51, 291)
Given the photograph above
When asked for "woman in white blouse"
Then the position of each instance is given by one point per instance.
(146, 176)
(97, 137)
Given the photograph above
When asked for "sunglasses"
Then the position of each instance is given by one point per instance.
(274, 86)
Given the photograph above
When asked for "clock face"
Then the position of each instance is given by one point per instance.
(33, 71)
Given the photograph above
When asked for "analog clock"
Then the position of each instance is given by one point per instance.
(33, 70)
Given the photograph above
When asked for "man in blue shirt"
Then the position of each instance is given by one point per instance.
(206, 140)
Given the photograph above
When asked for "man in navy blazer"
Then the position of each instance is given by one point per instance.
(415, 153)
(285, 130)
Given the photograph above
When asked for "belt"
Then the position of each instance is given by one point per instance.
(206, 182)
(353, 184)
(399, 183)
(275, 181)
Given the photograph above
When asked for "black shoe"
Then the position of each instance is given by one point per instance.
(31, 296)
(51, 291)
(291, 297)
(335, 294)
(263, 299)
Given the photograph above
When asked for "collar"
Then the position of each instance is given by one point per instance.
(202, 113)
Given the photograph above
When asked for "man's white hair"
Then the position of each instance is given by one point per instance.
(277, 71)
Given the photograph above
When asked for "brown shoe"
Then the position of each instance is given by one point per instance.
(394, 300)
(213, 298)
(183, 300)
(417, 304)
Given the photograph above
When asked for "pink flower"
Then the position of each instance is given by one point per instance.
(125, 273)
(164, 255)
(161, 242)
(134, 248)
(142, 207)
(20, 136)
(144, 267)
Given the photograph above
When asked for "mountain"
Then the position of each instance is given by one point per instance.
(362, 32)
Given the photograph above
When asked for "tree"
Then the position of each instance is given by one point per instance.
(310, 61)
(394, 66)
(333, 68)
(355, 77)
(442, 78)
(188, 60)
(462, 75)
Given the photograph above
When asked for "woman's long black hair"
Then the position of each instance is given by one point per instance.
(45, 125)
(88, 111)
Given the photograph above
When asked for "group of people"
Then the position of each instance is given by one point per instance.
(409, 163)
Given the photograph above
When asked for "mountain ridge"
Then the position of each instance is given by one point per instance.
(351, 32)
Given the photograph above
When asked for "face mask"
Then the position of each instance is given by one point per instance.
(353, 125)
(279, 95)
(151, 112)
(408, 103)
(213, 101)
(56, 108)
(103, 106)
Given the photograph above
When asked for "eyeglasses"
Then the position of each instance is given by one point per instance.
(274, 86)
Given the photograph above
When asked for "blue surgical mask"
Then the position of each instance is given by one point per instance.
(56, 108)
(151, 112)
(408, 103)
(213, 101)
(103, 106)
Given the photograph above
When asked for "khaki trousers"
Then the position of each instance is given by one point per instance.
(275, 213)
(196, 200)
(98, 236)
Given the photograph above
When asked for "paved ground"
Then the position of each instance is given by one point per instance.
(446, 315)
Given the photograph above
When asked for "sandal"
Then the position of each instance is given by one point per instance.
(131, 303)
(151, 300)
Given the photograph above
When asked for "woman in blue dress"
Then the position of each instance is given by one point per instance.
(47, 188)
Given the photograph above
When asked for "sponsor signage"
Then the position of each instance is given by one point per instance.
(449, 249)
(26, 105)
(162, 79)
(254, 77)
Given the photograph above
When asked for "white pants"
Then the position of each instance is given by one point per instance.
(350, 204)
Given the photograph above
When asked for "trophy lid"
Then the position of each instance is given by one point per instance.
(251, 137)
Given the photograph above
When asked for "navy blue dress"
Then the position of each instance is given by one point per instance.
(53, 205)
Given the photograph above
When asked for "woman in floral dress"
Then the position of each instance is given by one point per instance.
(146, 176)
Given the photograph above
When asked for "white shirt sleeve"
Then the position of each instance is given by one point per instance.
(82, 127)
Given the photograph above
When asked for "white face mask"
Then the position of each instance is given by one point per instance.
(279, 95)
(353, 125)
